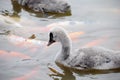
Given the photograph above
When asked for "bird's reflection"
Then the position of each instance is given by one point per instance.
(66, 75)
(16, 8)
(68, 72)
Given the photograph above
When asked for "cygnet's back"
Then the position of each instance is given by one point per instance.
(95, 58)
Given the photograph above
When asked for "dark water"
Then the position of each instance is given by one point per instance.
(90, 23)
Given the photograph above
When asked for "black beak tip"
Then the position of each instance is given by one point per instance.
(50, 42)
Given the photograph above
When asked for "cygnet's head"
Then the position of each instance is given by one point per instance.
(57, 34)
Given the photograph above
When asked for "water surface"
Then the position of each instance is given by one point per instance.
(90, 23)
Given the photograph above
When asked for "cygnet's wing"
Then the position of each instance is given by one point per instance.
(94, 57)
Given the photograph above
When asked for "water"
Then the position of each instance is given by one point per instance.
(90, 23)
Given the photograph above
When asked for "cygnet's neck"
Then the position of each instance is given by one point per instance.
(66, 47)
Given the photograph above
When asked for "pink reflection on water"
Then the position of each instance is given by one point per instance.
(96, 42)
(13, 54)
(29, 43)
(28, 75)
(75, 35)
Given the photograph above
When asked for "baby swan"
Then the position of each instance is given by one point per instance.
(53, 6)
(83, 58)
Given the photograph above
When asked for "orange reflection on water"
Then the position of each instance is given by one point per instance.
(95, 42)
(75, 35)
(29, 75)
(14, 54)
(29, 43)
(20, 55)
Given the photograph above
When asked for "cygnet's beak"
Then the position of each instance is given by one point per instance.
(50, 42)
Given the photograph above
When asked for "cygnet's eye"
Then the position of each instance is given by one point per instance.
(51, 36)
(51, 39)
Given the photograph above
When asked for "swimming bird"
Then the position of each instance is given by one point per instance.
(53, 6)
(82, 58)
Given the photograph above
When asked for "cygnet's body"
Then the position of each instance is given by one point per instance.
(83, 58)
(53, 6)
